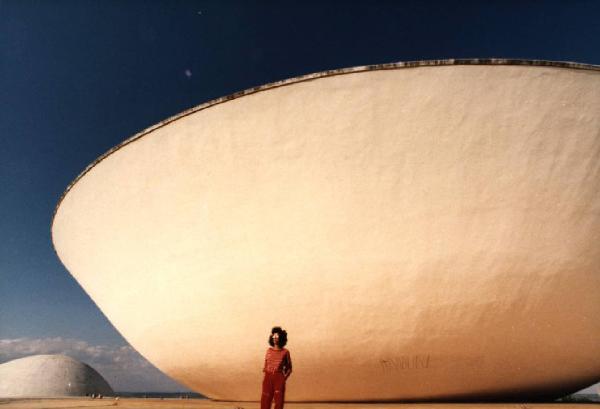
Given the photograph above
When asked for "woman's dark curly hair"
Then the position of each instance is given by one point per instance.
(282, 336)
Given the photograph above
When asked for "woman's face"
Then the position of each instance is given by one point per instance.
(275, 337)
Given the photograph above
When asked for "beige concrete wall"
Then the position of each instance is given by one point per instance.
(425, 232)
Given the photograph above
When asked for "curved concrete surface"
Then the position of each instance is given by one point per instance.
(423, 231)
(48, 376)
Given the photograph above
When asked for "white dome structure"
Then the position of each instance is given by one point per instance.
(49, 376)
(423, 231)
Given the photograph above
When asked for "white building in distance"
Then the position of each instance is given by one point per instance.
(50, 375)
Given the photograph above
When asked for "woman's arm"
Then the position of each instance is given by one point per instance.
(288, 366)
(265, 364)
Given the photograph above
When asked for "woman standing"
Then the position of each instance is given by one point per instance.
(278, 367)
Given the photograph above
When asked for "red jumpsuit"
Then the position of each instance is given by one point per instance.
(278, 366)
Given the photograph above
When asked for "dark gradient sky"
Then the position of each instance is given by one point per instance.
(78, 77)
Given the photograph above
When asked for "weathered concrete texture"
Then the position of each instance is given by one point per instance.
(422, 232)
(50, 375)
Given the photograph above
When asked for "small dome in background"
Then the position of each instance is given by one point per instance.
(50, 375)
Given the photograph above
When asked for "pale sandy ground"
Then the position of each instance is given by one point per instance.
(138, 403)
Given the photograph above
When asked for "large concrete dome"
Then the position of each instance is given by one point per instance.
(50, 375)
(423, 231)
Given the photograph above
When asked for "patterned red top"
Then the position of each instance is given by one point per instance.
(278, 360)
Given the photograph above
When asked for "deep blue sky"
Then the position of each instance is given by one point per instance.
(78, 77)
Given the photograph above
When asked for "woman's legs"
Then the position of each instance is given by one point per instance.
(279, 390)
(273, 388)
(267, 392)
